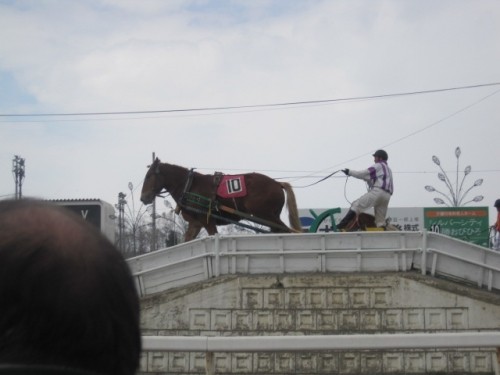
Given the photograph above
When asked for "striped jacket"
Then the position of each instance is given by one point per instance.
(379, 175)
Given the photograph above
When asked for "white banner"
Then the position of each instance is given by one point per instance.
(404, 218)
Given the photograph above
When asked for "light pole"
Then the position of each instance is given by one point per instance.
(177, 228)
(455, 196)
(153, 215)
(121, 218)
(19, 173)
(135, 217)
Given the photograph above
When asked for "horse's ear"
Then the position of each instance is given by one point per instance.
(156, 161)
(157, 166)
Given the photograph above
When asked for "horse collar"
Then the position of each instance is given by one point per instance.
(189, 181)
(187, 187)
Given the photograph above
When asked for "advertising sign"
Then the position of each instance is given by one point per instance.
(404, 218)
(465, 223)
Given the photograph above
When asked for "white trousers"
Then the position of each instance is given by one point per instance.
(376, 198)
(496, 241)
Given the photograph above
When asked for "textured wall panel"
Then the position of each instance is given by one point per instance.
(435, 319)
(263, 320)
(337, 305)
(326, 320)
(284, 320)
(480, 362)
(220, 320)
(350, 363)
(393, 362)
(415, 362)
(359, 298)
(197, 362)
(370, 320)
(242, 320)
(199, 319)
(413, 319)
(306, 362)
(349, 320)
(252, 298)
(392, 319)
(242, 363)
(316, 298)
(295, 298)
(306, 320)
(328, 363)
(274, 298)
(337, 298)
(263, 362)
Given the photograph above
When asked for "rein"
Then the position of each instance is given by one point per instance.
(317, 182)
(163, 193)
(323, 179)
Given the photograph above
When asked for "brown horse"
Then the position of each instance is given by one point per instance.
(195, 195)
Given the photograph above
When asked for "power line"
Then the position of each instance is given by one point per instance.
(224, 108)
(415, 132)
(307, 175)
(442, 119)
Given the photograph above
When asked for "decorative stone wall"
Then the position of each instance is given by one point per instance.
(322, 304)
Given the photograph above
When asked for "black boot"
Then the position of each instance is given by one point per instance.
(346, 220)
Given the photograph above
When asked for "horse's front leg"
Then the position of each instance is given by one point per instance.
(211, 228)
(193, 230)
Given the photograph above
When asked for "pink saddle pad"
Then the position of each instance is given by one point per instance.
(232, 186)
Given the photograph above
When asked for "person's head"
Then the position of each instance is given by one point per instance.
(67, 297)
(497, 204)
(380, 155)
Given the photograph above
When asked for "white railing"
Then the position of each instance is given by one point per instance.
(431, 253)
(489, 339)
(211, 345)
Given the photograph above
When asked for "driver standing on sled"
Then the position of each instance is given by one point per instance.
(379, 179)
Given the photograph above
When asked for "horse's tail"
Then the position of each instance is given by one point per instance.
(291, 203)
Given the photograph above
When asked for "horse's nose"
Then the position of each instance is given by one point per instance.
(145, 199)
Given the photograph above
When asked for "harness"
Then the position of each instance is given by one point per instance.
(190, 200)
(202, 205)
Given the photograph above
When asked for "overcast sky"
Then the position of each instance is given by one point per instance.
(101, 56)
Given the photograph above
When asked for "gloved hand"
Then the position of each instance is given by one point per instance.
(346, 171)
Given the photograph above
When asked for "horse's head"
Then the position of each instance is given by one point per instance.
(153, 183)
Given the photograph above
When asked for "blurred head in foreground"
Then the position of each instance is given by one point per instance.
(67, 297)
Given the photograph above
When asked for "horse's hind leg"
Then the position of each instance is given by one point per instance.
(193, 230)
(284, 228)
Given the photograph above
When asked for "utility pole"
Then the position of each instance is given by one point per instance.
(153, 244)
(18, 171)
(121, 218)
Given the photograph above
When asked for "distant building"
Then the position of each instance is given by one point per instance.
(95, 211)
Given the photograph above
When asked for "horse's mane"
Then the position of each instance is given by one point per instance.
(181, 168)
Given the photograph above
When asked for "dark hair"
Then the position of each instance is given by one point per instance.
(67, 297)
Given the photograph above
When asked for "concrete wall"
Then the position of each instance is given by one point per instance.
(321, 304)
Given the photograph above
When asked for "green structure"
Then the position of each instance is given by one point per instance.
(464, 223)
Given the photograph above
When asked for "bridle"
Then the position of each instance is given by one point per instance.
(157, 173)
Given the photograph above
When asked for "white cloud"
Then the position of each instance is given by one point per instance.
(100, 56)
